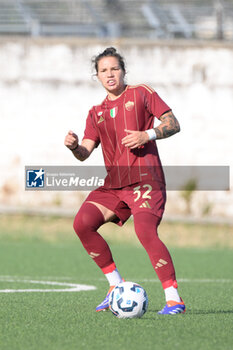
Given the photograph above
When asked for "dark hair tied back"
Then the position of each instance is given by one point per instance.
(109, 52)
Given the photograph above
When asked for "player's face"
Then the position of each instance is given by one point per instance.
(111, 76)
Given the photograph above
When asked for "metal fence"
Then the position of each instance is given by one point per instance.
(206, 19)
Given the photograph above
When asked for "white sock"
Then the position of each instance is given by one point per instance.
(171, 293)
(114, 278)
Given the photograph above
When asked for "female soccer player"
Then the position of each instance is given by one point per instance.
(123, 124)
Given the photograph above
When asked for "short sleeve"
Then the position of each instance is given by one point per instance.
(154, 104)
(91, 132)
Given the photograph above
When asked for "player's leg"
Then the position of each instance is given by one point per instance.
(90, 217)
(146, 225)
(147, 202)
(86, 223)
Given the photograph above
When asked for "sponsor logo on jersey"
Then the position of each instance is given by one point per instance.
(129, 106)
(100, 116)
(113, 112)
(101, 119)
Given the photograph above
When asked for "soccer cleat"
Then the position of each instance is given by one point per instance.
(173, 308)
(105, 304)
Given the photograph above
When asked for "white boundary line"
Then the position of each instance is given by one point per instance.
(48, 278)
(72, 287)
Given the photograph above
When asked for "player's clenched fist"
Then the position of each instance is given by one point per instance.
(71, 140)
(135, 139)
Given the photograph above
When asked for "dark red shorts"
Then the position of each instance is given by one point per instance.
(146, 196)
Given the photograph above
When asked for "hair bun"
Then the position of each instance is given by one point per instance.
(110, 51)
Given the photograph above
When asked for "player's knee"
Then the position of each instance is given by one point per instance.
(88, 219)
(79, 225)
(82, 223)
(146, 228)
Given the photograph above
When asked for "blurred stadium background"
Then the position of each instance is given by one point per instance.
(182, 48)
(212, 19)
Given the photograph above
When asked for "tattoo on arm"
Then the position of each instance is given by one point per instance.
(81, 153)
(168, 127)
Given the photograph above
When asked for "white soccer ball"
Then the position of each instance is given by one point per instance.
(128, 300)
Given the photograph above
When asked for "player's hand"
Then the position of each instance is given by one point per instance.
(135, 139)
(71, 140)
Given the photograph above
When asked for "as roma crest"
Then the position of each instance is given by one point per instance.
(129, 106)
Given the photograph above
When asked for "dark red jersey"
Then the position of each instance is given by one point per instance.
(135, 109)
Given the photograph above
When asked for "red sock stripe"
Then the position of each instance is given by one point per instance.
(169, 283)
(109, 268)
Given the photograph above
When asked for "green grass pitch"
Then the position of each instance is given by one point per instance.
(67, 320)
